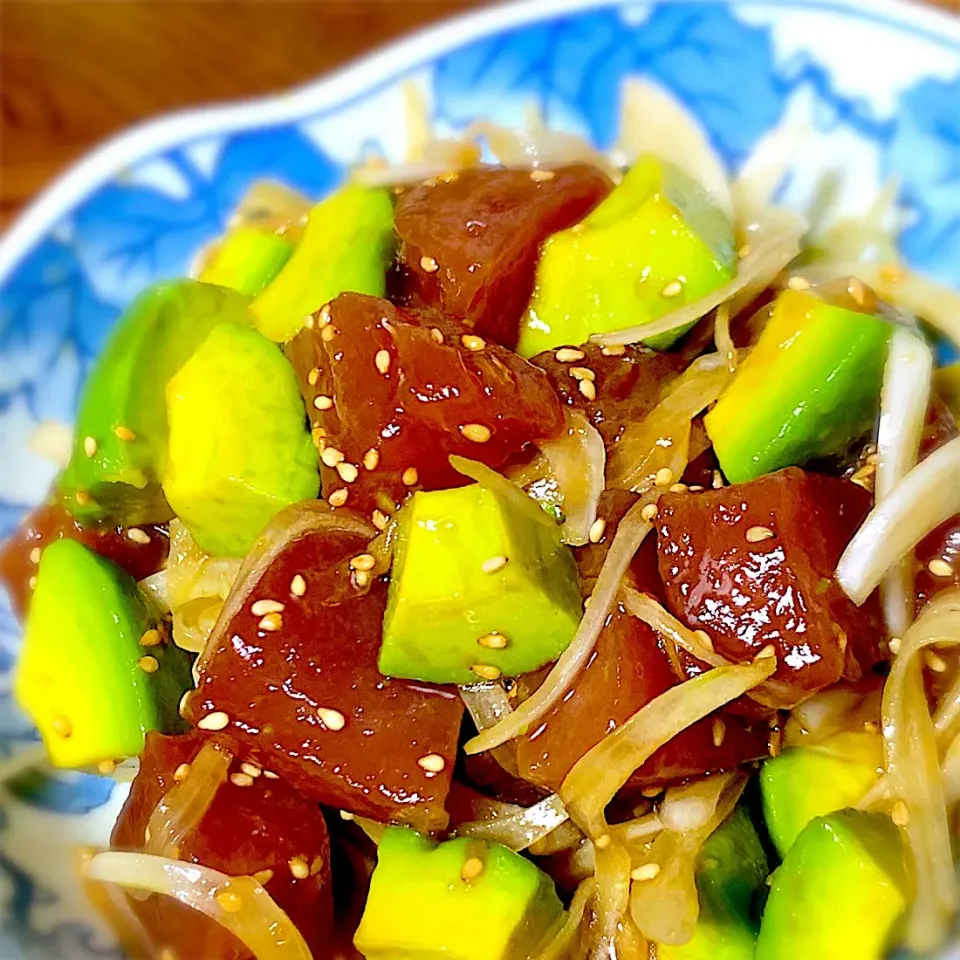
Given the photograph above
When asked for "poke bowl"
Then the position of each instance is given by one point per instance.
(497, 502)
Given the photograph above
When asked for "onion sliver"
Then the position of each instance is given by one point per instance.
(601, 772)
(722, 338)
(488, 704)
(560, 940)
(773, 241)
(517, 830)
(259, 923)
(921, 501)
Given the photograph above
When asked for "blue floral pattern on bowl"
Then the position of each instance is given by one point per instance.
(878, 83)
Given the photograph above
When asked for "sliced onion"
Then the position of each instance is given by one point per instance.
(567, 836)
(951, 772)
(630, 533)
(610, 927)
(653, 121)
(927, 496)
(602, 771)
(517, 827)
(264, 929)
(183, 806)
(488, 703)
(722, 337)
(946, 717)
(498, 484)
(442, 158)
(636, 832)
(914, 776)
(577, 460)
(272, 207)
(560, 941)
(773, 240)
(907, 378)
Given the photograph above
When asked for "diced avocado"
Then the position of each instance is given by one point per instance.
(809, 387)
(239, 447)
(840, 892)
(247, 260)
(479, 581)
(460, 900)
(346, 247)
(805, 782)
(120, 444)
(78, 675)
(654, 245)
(732, 872)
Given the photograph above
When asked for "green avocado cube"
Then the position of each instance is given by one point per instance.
(246, 260)
(120, 444)
(806, 782)
(345, 248)
(809, 387)
(460, 900)
(481, 586)
(839, 893)
(655, 244)
(239, 450)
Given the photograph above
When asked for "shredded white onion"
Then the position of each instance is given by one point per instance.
(907, 377)
(653, 121)
(601, 772)
(518, 827)
(560, 941)
(722, 337)
(927, 496)
(488, 703)
(773, 240)
(946, 716)
(259, 923)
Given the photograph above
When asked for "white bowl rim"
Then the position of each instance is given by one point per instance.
(364, 76)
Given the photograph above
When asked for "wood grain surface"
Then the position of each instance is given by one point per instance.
(73, 72)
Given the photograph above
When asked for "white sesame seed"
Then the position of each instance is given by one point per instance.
(182, 772)
(429, 265)
(137, 535)
(348, 472)
(379, 519)
(798, 283)
(569, 355)
(894, 645)
(35, 555)
(900, 814)
(540, 175)
(251, 770)
(363, 561)
(361, 578)
(241, 779)
(596, 530)
(588, 390)
(614, 350)
(32, 583)
(90, 446)
(679, 488)
(370, 459)
(331, 456)
(323, 402)
(313, 376)
(262, 607)
(935, 662)
(436, 335)
(299, 867)
(328, 333)
(716, 481)
(673, 289)
(182, 705)
(324, 314)
(346, 815)
(432, 763)
(338, 498)
(495, 641)
(271, 623)
(409, 476)
(663, 477)
(217, 720)
(473, 342)
(649, 512)
(719, 731)
(582, 373)
(148, 664)
(646, 872)
(332, 719)
(382, 360)
(471, 869)
(124, 434)
(485, 671)
(476, 432)
(940, 568)
(759, 534)
(270, 775)
(603, 841)
(493, 565)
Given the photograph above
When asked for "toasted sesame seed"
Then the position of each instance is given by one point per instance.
(316, 866)
(241, 779)
(35, 555)
(299, 867)
(471, 869)
(263, 877)
(361, 578)
(476, 432)
(798, 283)
(596, 530)
(328, 333)
(251, 770)
(673, 289)
(32, 583)
(613, 350)
(182, 772)
(766, 653)
(62, 727)
(262, 607)
(124, 434)
(313, 376)
(679, 488)
(230, 901)
(695, 488)
(432, 763)
(603, 841)
(719, 729)
(893, 645)
(106, 767)
(148, 664)
(495, 641)
(371, 458)
(900, 814)
(323, 402)
(588, 390)
(436, 335)
(298, 586)
(338, 498)
(217, 720)
(539, 175)
(138, 536)
(429, 265)
(473, 342)
(348, 472)
(857, 292)
(331, 456)
(486, 672)
(270, 775)
(409, 476)
(940, 568)
(649, 512)
(493, 565)
(382, 360)
(271, 623)
(379, 519)
(331, 719)
(646, 872)
(363, 561)
(935, 662)
(83, 498)
(90, 446)
(663, 477)
(569, 355)
(582, 373)
(759, 534)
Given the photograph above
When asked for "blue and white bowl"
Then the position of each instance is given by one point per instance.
(878, 81)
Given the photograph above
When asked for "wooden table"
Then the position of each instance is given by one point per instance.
(72, 73)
